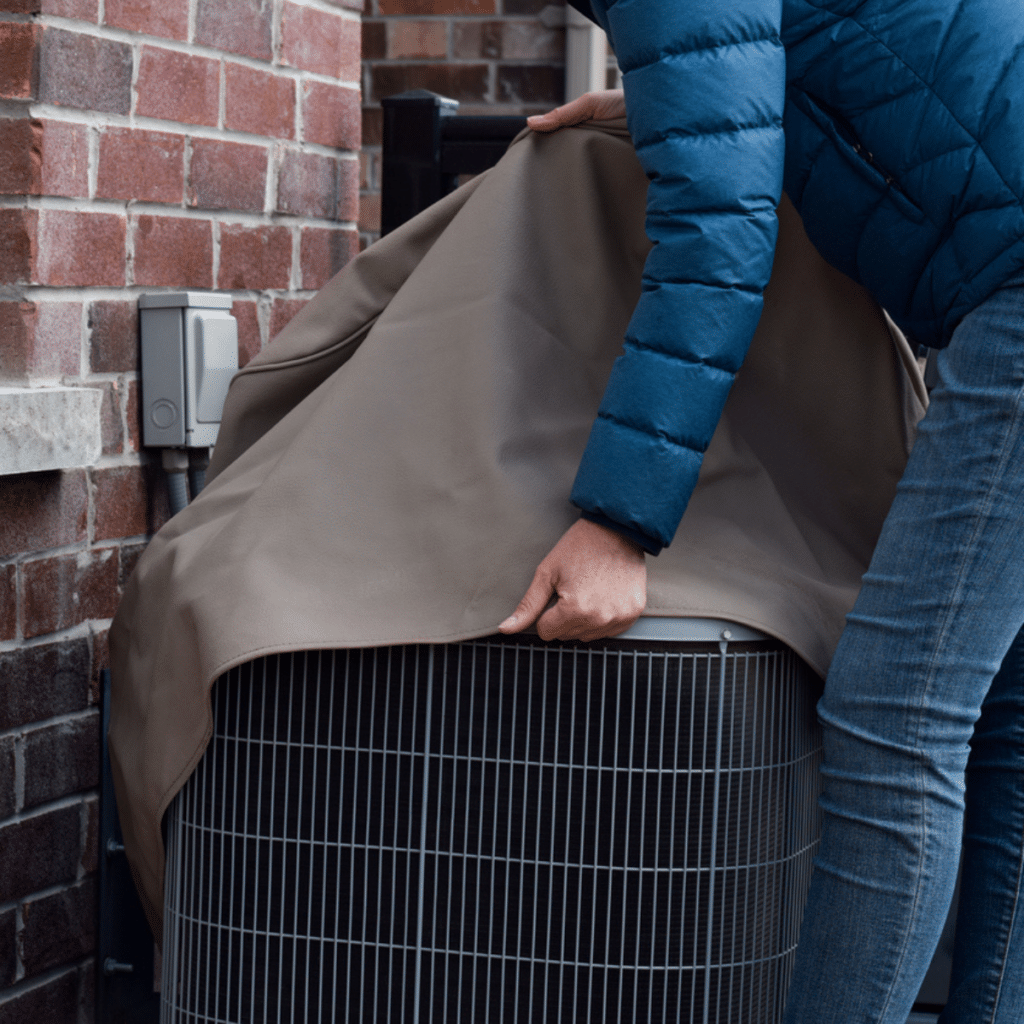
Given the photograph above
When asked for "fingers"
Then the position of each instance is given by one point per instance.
(590, 106)
(536, 597)
(567, 619)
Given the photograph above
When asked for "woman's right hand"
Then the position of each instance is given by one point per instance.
(591, 106)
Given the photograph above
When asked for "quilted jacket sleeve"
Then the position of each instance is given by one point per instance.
(704, 82)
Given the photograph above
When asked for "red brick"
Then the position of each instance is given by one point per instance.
(17, 338)
(60, 928)
(100, 660)
(81, 10)
(259, 102)
(369, 213)
(61, 592)
(17, 245)
(311, 185)
(43, 681)
(474, 39)
(135, 164)
(281, 312)
(42, 510)
(133, 417)
(227, 176)
(531, 84)
(57, 347)
(62, 759)
(168, 19)
(323, 252)
(19, 70)
(373, 121)
(523, 6)
(375, 40)
(111, 427)
(311, 39)
(463, 82)
(65, 159)
(417, 39)
(113, 337)
(238, 26)
(330, 115)
(80, 249)
(367, 171)
(25, 871)
(8, 611)
(21, 144)
(249, 340)
(178, 87)
(20, 6)
(530, 40)
(410, 7)
(77, 70)
(121, 502)
(174, 252)
(253, 259)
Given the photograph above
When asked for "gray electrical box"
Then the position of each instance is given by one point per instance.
(189, 355)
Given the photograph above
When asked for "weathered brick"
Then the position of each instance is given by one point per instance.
(62, 759)
(530, 40)
(254, 258)
(238, 26)
(62, 591)
(259, 102)
(55, 1001)
(77, 70)
(81, 10)
(113, 337)
(463, 82)
(21, 6)
(413, 7)
(375, 40)
(367, 171)
(133, 417)
(91, 846)
(227, 176)
(57, 347)
(417, 40)
(373, 122)
(80, 249)
(111, 427)
(42, 510)
(100, 661)
(21, 142)
(121, 502)
(17, 339)
(472, 40)
(330, 115)
(136, 164)
(25, 871)
(323, 252)
(43, 681)
(311, 39)
(129, 558)
(312, 185)
(19, 70)
(65, 159)
(7, 797)
(8, 622)
(178, 87)
(369, 212)
(249, 341)
(174, 251)
(18, 237)
(8, 948)
(281, 312)
(168, 19)
(531, 84)
(60, 928)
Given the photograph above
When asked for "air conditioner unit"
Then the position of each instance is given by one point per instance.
(500, 830)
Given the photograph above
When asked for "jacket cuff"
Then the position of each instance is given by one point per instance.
(652, 547)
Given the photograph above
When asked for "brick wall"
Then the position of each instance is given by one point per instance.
(494, 56)
(186, 143)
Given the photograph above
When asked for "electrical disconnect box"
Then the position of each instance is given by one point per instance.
(189, 355)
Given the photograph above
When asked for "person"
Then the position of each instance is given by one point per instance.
(897, 130)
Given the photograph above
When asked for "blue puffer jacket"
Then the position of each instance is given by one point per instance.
(897, 129)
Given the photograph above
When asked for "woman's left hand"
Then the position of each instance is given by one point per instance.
(591, 106)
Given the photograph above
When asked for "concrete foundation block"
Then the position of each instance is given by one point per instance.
(48, 428)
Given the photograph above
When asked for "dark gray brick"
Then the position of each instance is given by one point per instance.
(41, 682)
(40, 851)
(62, 759)
(60, 928)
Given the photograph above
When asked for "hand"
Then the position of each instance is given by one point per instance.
(599, 579)
(591, 106)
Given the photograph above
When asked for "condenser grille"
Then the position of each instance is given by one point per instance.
(498, 832)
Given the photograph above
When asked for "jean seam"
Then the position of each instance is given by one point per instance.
(969, 552)
(1007, 937)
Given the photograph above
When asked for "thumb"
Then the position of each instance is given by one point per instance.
(533, 603)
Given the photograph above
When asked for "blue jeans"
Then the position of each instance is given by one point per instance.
(921, 722)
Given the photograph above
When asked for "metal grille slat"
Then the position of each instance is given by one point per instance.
(496, 831)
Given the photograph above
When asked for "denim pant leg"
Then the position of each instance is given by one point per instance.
(941, 604)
